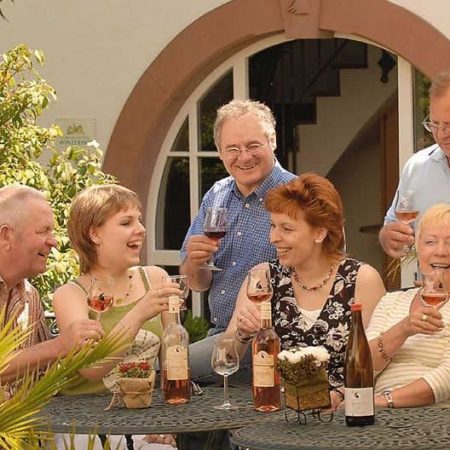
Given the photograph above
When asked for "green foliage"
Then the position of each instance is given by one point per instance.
(197, 327)
(18, 415)
(24, 95)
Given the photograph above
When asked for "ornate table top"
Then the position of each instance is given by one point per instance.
(408, 428)
(85, 414)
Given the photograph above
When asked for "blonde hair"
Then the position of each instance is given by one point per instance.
(239, 108)
(436, 215)
(91, 208)
(14, 203)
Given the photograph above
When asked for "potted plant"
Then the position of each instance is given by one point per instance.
(305, 378)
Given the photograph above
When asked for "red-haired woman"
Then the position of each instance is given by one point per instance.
(314, 282)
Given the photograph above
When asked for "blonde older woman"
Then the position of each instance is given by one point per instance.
(409, 351)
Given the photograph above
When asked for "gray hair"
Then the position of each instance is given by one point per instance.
(13, 203)
(238, 108)
(440, 84)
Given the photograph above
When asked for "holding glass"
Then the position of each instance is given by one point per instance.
(225, 361)
(259, 288)
(100, 295)
(433, 292)
(214, 227)
(183, 284)
(406, 211)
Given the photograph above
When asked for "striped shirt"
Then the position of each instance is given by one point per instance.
(245, 244)
(421, 356)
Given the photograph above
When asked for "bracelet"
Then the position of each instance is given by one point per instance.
(388, 396)
(381, 350)
(242, 338)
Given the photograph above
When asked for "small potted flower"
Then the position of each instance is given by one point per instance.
(305, 378)
(136, 382)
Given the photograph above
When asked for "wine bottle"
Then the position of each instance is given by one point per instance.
(175, 354)
(265, 349)
(358, 375)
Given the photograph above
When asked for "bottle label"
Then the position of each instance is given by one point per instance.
(359, 402)
(177, 363)
(263, 370)
(265, 310)
(174, 304)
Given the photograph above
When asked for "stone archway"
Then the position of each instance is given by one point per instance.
(161, 91)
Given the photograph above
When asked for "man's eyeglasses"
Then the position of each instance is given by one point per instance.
(433, 127)
(234, 152)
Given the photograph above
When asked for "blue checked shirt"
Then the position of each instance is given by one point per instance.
(245, 244)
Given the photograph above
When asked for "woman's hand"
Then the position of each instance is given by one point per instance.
(248, 319)
(157, 300)
(423, 320)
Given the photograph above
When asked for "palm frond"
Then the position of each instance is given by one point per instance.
(18, 415)
(395, 266)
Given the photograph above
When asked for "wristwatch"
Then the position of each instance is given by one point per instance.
(388, 396)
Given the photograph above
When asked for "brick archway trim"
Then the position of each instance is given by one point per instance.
(170, 79)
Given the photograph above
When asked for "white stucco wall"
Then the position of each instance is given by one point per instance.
(96, 51)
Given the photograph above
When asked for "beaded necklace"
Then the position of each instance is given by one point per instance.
(321, 284)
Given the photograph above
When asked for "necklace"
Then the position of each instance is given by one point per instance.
(119, 301)
(317, 286)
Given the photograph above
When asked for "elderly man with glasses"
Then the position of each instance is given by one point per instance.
(427, 173)
(244, 134)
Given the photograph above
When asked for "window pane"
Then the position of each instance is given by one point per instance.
(211, 170)
(181, 143)
(421, 105)
(218, 95)
(172, 216)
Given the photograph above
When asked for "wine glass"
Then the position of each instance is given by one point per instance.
(100, 295)
(225, 361)
(406, 211)
(214, 227)
(259, 288)
(183, 284)
(434, 293)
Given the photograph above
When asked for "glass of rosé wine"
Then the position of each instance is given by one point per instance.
(259, 288)
(100, 295)
(214, 227)
(406, 211)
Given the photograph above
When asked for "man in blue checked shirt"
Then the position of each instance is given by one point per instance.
(244, 134)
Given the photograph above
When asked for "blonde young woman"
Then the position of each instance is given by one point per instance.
(105, 229)
(314, 283)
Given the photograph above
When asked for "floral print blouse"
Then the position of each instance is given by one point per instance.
(332, 326)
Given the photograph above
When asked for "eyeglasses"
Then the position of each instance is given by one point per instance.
(234, 152)
(433, 127)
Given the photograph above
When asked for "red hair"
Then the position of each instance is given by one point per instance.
(320, 203)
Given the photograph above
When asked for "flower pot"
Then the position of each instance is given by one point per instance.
(311, 393)
(137, 392)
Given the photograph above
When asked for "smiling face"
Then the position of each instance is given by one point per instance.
(433, 249)
(248, 170)
(119, 240)
(33, 239)
(294, 239)
(440, 113)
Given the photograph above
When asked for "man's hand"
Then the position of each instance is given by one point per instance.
(78, 334)
(394, 236)
(200, 249)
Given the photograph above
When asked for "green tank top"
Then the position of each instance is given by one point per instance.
(108, 320)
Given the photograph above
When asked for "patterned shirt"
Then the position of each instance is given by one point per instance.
(332, 327)
(245, 244)
(23, 303)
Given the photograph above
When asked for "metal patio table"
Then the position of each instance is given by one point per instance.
(85, 414)
(403, 428)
